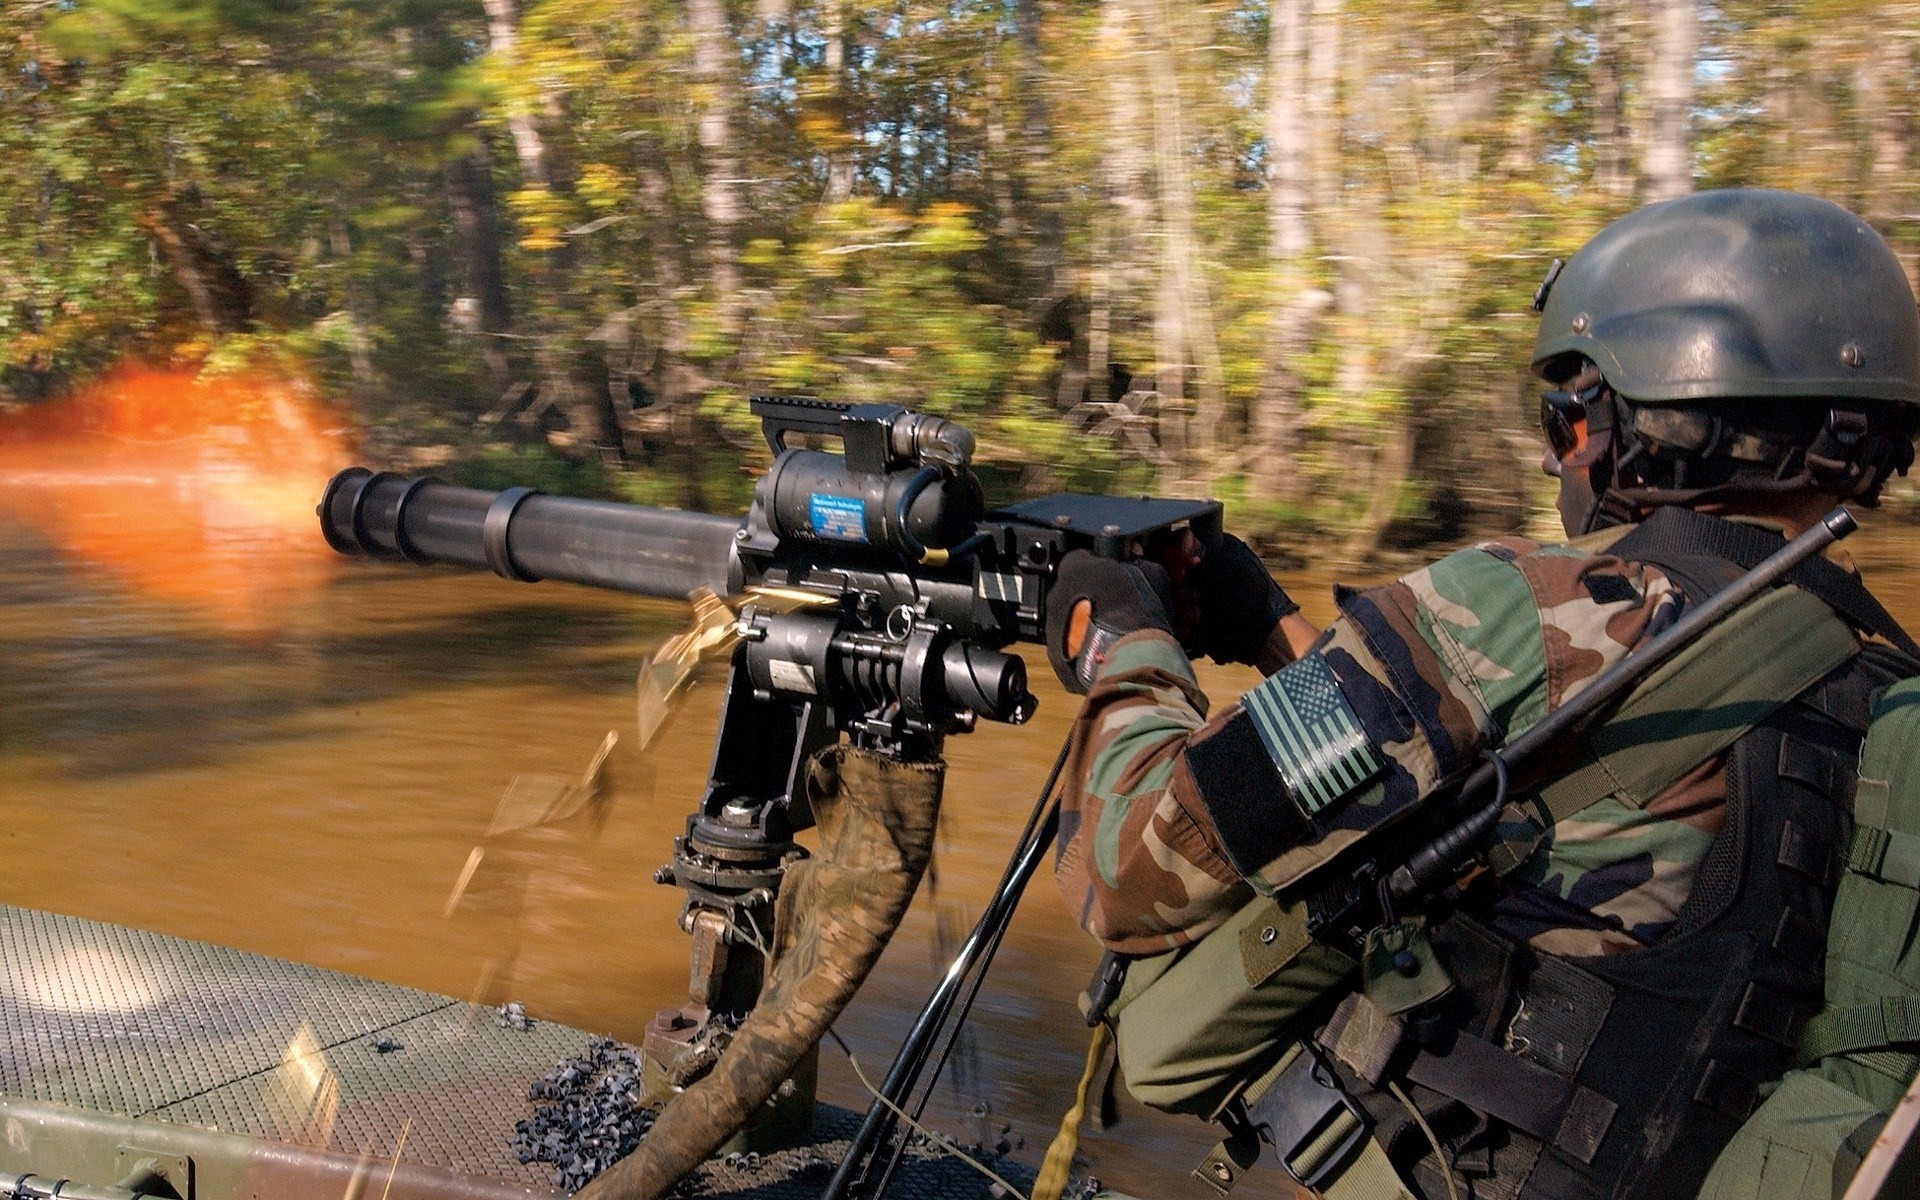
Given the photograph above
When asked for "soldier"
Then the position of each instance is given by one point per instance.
(1611, 1003)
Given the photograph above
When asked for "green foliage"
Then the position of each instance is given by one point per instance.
(930, 204)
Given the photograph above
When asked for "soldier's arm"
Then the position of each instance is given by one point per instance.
(1169, 813)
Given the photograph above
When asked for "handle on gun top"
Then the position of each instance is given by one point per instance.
(1437, 862)
(523, 535)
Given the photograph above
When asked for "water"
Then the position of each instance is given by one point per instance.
(312, 785)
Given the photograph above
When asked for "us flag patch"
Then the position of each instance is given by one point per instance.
(1311, 733)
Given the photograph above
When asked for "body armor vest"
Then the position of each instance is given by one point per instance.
(1624, 1075)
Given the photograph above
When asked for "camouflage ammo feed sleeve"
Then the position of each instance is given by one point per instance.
(1169, 814)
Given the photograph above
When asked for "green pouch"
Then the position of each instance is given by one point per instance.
(1399, 970)
(1865, 1037)
(1804, 1143)
(1193, 1025)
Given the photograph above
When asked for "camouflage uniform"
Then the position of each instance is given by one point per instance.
(1436, 665)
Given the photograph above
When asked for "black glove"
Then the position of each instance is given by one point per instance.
(1239, 602)
(1126, 597)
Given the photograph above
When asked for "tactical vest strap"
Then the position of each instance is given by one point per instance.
(1508, 1088)
(1693, 708)
(1888, 855)
(1682, 533)
(1370, 1177)
(1894, 1021)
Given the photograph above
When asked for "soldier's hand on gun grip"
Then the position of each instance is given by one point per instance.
(1094, 603)
(1239, 602)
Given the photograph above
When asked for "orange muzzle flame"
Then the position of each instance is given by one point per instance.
(197, 492)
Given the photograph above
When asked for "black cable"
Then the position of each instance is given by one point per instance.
(912, 1056)
(1041, 810)
(953, 1038)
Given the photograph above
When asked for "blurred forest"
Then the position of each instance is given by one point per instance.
(1279, 251)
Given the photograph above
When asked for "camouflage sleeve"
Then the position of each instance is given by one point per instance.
(1169, 815)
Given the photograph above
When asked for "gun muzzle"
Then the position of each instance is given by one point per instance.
(524, 535)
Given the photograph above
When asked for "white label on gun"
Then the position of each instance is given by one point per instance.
(792, 676)
(1002, 587)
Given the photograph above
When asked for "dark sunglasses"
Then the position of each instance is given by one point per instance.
(1561, 410)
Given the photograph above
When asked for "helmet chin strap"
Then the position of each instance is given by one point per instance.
(1622, 497)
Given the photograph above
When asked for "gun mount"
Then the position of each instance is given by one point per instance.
(909, 591)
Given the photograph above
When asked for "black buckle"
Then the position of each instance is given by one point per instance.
(1298, 1108)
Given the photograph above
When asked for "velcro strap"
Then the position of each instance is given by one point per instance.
(1769, 1015)
(1804, 855)
(1728, 1089)
(1518, 834)
(1808, 764)
(1889, 855)
(1530, 1098)
(1800, 941)
(1363, 1036)
(1245, 795)
(1894, 1021)
(1895, 1065)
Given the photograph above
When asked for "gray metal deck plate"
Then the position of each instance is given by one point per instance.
(103, 1017)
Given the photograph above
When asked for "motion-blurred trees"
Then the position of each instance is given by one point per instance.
(1278, 250)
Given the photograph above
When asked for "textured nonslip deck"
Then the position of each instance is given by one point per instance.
(102, 1017)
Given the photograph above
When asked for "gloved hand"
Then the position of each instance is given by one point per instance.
(1125, 597)
(1239, 602)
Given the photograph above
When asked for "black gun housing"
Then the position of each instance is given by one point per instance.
(919, 588)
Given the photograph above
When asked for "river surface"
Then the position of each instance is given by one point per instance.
(311, 782)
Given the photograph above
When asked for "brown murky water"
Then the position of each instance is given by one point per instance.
(312, 786)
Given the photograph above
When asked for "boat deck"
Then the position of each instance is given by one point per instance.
(260, 1077)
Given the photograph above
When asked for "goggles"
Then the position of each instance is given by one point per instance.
(1560, 411)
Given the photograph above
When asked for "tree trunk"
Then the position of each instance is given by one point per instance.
(713, 61)
(1000, 158)
(503, 34)
(1128, 160)
(840, 159)
(1358, 240)
(203, 267)
(1530, 52)
(1037, 183)
(1323, 105)
(1183, 315)
(1287, 117)
(359, 344)
(1880, 86)
(1274, 472)
(1100, 318)
(1668, 160)
(592, 425)
(1126, 222)
(1612, 144)
(476, 224)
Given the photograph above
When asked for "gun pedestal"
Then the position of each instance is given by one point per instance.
(731, 862)
(732, 929)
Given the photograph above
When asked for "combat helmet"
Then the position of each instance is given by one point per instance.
(1737, 339)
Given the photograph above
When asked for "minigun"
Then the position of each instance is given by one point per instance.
(908, 592)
